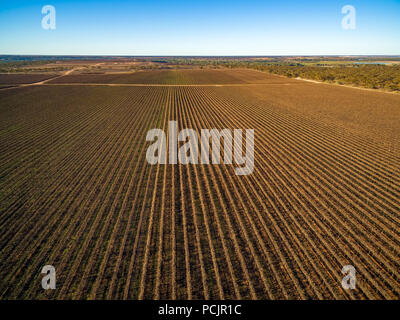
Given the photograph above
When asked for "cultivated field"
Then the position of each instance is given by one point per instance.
(10, 79)
(76, 191)
(174, 77)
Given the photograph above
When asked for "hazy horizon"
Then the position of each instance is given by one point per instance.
(198, 56)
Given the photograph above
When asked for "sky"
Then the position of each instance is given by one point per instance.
(210, 28)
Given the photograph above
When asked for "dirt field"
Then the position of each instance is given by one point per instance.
(76, 191)
(16, 78)
(181, 77)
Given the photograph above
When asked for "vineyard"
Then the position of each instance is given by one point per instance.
(174, 77)
(76, 191)
(15, 78)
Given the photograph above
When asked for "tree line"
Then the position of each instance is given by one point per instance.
(374, 76)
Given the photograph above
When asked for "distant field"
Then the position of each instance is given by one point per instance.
(22, 78)
(175, 77)
(77, 192)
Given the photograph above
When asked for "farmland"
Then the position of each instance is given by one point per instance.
(11, 79)
(175, 77)
(76, 191)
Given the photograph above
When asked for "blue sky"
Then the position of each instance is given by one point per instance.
(175, 27)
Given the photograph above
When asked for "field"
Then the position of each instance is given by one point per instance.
(11, 79)
(76, 191)
(175, 77)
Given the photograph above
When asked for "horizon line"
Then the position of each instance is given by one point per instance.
(193, 55)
